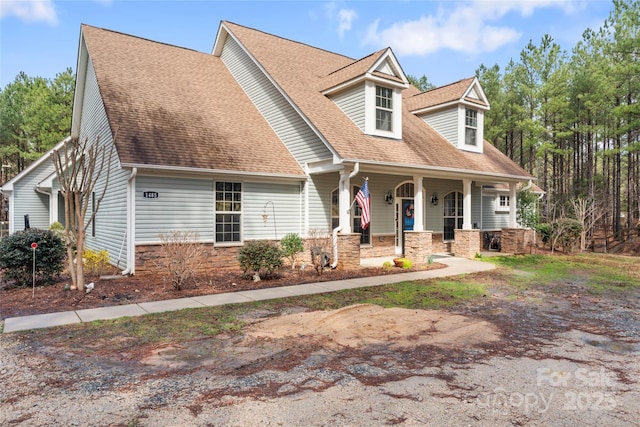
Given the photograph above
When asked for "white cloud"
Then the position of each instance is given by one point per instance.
(345, 18)
(29, 10)
(469, 27)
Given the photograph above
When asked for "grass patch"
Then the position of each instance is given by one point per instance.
(125, 334)
(599, 273)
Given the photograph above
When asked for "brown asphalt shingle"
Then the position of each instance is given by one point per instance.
(301, 70)
(176, 107)
(452, 92)
(180, 108)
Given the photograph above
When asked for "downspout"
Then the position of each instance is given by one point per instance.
(356, 169)
(528, 186)
(50, 195)
(130, 217)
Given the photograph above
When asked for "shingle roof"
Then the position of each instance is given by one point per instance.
(300, 71)
(357, 69)
(176, 107)
(442, 95)
(180, 108)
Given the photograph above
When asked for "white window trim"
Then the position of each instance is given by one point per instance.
(370, 111)
(215, 212)
(502, 208)
(462, 114)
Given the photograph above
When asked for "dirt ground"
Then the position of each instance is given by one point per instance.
(545, 355)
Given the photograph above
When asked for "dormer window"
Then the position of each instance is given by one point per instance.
(384, 108)
(471, 127)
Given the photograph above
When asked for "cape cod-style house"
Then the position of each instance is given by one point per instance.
(266, 136)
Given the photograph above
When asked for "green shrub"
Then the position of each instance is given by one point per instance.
(16, 256)
(566, 231)
(260, 257)
(95, 263)
(292, 245)
(387, 266)
(544, 230)
(407, 263)
(58, 228)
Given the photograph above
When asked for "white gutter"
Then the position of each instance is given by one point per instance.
(528, 186)
(356, 169)
(130, 231)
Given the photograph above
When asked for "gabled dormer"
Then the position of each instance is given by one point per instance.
(369, 92)
(456, 111)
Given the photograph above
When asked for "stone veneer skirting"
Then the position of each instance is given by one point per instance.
(380, 246)
(225, 257)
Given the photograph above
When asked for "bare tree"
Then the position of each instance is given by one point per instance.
(587, 212)
(79, 166)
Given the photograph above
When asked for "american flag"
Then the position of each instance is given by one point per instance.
(364, 202)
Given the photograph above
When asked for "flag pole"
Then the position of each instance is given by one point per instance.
(354, 199)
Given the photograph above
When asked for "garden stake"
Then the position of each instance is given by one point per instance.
(34, 245)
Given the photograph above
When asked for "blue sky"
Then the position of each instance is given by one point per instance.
(444, 40)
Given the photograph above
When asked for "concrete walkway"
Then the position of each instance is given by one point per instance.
(455, 266)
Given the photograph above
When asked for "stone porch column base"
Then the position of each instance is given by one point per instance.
(516, 241)
(418, 245)
(348, 251)
(466, 243)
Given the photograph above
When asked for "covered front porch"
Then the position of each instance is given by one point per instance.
(416, 216)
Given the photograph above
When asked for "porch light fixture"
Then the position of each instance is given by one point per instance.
(434, 199)
(388, 197)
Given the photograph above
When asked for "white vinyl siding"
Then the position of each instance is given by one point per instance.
(382, 213)
(320, 188)
(352, 103)
(445, 122)
(286, 200)
(491, 219)
(296, 134)
(27, 201)
(111, 219)
(181, 204)
(435, 214)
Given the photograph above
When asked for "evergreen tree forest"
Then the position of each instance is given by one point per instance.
(36, 114)
(572, 119)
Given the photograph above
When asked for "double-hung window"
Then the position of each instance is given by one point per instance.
(503, 203)
(470, 127)
(228, 211)
(384, 108)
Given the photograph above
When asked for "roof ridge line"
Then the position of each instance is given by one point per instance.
(290, 40)
(142, 38)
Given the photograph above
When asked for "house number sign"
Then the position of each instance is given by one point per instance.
(150, 194)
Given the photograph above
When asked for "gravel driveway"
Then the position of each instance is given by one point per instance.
(563, 358)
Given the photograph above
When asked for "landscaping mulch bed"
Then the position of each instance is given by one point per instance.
(116, 289)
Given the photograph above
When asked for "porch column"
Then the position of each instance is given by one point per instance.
(513, 223)
(418, 205)
(466, 204)
(345, 202)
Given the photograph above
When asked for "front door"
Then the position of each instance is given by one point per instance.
(405, 217)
